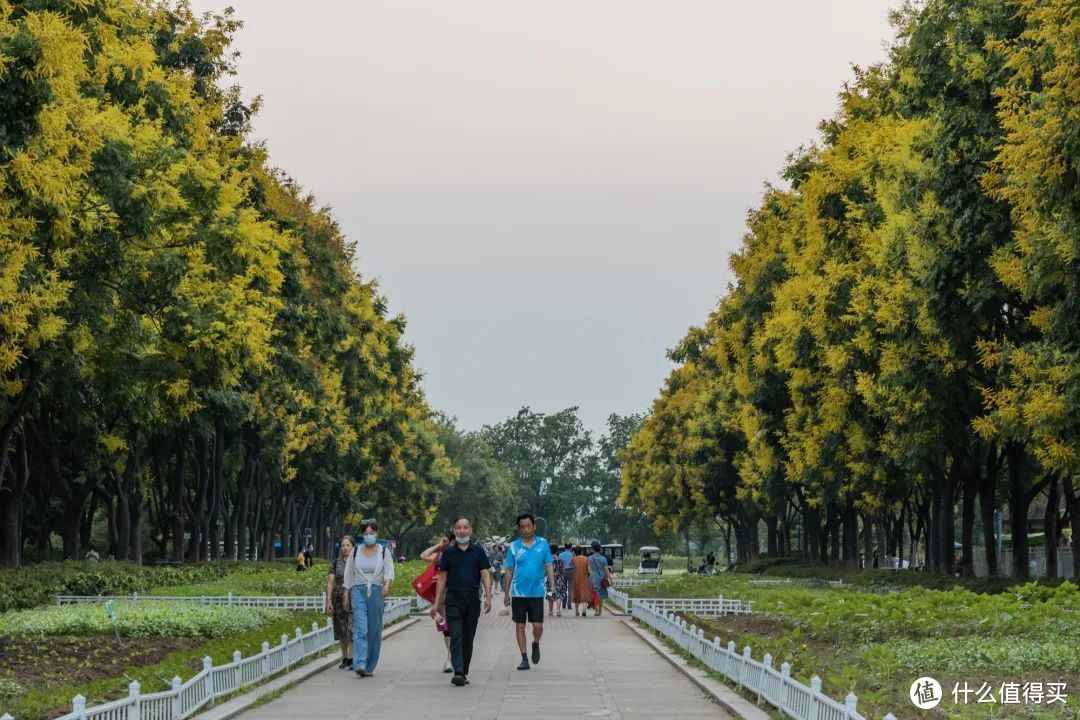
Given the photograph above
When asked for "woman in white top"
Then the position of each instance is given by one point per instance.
(368, 577)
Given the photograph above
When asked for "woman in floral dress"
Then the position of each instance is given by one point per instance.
(557, 598)
(335, 602)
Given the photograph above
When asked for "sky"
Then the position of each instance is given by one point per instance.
(548, 191)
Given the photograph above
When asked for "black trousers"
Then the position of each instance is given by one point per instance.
(568, 575)
(462, 615)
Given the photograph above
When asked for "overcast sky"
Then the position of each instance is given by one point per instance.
(549, 191)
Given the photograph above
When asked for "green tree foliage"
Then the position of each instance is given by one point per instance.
(185, 344)
(901, 335)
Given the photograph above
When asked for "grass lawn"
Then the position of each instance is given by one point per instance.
(876, 642)
(279, 579)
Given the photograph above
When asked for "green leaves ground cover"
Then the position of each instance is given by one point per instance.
(143, 618)
(845, 612)
(871, 642)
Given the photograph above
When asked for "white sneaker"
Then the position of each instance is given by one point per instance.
(447, 667)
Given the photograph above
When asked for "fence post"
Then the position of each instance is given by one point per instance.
(744, 674)
(849, 705)
(236, 670)
(785, 684)
(767, 662)
(890, 716)
(265, 658)
(285, 648)
(815, 698)
(208, 668)
(230, 597)
(78, 706)
(135, 713)
(177, 706)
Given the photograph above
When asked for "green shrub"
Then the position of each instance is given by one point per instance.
(34, 585)
(141, 618)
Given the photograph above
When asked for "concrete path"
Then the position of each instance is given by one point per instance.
(590, 668)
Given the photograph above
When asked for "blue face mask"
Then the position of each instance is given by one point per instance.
(370, 539)
(463, 539)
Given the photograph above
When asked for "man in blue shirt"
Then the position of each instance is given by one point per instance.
(567, 558)
(528, 564)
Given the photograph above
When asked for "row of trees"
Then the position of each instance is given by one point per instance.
(901, 342)
(185, 346)
(547, 463)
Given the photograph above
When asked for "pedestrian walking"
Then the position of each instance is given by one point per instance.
(496, 559)
(529, 574)
(432, 555)
(558, 598)
(567, 559)
(581, 582)
(368, 577)
(309, 556)
(599, 576)
(463, 568)
(337, 604)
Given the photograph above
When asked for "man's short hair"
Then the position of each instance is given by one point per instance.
(569, 546)
(523, 516)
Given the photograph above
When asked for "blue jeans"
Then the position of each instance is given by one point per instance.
(366, 626)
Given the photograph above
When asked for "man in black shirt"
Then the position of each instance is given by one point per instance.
(462, 568)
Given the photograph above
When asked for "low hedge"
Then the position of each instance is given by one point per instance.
(877, 578)
(33, 585)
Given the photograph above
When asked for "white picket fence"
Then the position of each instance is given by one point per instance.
(1036, 562)
(184, 699)
(284, 602)
(795, 581)
(621, 582)
(702, 607)
(759, 678)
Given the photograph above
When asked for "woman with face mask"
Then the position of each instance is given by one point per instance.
(368, 576)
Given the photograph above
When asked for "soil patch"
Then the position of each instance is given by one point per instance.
(67, 660)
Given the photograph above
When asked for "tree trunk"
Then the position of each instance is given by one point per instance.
(834, 531)
(771, 523)
(11, 503)
(176, 497)
(1050, 531)
(987, 507)
(869, 557)
(86, 527)
(811, 535)
(1072, 502)
(851, 536)
(1018, 507)
(970, 482)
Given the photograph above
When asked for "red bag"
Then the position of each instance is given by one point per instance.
(594, 598)
(425, 584)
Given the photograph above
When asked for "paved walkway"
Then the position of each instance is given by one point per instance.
(590, 668)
